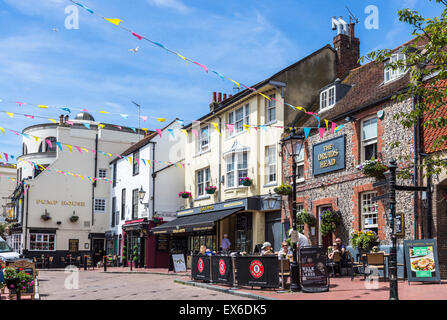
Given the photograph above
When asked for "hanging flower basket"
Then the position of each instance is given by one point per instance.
(246, 181)
(330, 220)
(373, 168)
(284, 189)
(45, 217)
(185, 194)
(305, 217)
(74, 218)
(211, 189)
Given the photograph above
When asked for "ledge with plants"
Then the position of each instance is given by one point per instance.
(373, 168)
(246, 181)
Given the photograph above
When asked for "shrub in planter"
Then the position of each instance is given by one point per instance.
(284, 189)
(185, 194)
(373, 168)
(305, 217)
(364, 240)
(18, 281)
(330, 219)
(246, 181)
(210, 189)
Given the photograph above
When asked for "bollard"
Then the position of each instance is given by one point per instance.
(85, 263)
(105, 263)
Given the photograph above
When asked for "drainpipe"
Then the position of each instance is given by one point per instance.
(416, 151)
(27, 210)
(94, 182)
(219, 193)
(154, 175)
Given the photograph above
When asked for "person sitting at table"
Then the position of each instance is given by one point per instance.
(335, 248)
(285, 251)
(267, 249)
(341, 246)
(202, 249)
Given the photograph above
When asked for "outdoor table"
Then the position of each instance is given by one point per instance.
(386, 256)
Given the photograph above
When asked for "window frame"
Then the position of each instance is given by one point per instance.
(96, 205)
(123, 204)
(373, 213)
(101, 173)
(135, 164)
(367, 142)
(269, 164)
(112, 225)
(245, 119)
(393, 74)
(271, 105)
(325, 98)
(299, 162)
(37, 234)
(205, 182)
(135, 200)
(235, 157)
(206, 147)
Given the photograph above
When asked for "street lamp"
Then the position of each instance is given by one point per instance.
(141, 194)
(392, 267)
(271, 200)
(291, 144)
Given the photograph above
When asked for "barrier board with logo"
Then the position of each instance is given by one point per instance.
(222, 269)
(313, 269)
(421, 259)
(258, 271)
(201, 267)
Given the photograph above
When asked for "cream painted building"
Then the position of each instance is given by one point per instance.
(8, 173)
(240, 137)
(47, 200)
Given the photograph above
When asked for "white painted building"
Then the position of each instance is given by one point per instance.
(154, 166)
(8, 174)
(83, 148)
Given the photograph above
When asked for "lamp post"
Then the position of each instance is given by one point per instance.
(291, 143)
(392, 267)
(141, 194)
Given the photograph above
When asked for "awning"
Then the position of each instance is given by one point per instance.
(196, 222)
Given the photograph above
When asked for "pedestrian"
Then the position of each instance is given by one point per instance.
(303, 241)
(226, 244)
(202, 249)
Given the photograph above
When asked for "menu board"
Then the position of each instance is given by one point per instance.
(162, 242)
(313, 269)
(399, 224)
(421, 259)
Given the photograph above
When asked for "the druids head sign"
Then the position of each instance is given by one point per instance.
(328, 156)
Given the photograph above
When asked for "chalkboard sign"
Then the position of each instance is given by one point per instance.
(399, 224)
(421, 260)
(258, 271)
(313, 269)
(162, 242)
(222, 269)
(179, 263)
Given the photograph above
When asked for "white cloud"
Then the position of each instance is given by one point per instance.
(177, 5)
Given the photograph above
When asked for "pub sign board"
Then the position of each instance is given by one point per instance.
(328, 156)
(258, 271)
(222, 269)
(313, 269)
(201, 267)
(421, 260)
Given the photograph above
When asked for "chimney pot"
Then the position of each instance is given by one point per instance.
(61, 119)
(219, 99)
(214, 96)
(224, 96)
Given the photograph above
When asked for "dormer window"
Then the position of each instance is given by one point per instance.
(391, 74)
(327, 98)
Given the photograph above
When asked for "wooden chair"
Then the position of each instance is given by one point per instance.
(50, 262)
(284, 270)
(376, 261)
(78, 261)
(335, 262)
(63, 261)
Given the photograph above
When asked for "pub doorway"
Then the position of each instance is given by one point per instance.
(324, 241)
(98, 250)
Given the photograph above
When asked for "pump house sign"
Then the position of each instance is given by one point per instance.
(328, 156)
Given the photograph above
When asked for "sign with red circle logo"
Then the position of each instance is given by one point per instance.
(200, 265)
(222, 267)
(256, 268)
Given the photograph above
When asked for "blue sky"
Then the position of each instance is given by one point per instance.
(92, 67)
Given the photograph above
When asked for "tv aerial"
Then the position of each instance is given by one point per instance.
(352, 17)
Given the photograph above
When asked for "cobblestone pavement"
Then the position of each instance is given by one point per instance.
(124, 286)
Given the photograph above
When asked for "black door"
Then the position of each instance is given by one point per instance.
(98, 250)
(273, 229)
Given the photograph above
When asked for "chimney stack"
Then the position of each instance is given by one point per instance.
(219, 95)
(61, 119)
(224, 96)
(214, 97)
(348, 51)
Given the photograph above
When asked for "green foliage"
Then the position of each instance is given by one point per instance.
(330, 220)
(305, 217)
(3, 230)
(17, 280)
(364, 240)
(373, 168)
(425, 56)
(284, 189)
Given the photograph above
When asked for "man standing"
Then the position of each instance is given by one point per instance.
(226, 244)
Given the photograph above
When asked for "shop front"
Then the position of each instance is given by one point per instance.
(243, 220)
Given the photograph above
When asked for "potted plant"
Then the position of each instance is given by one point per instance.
(45, 217)
(330, 220)
(74, 218)
(284, 189)
(135, 256)
(185, 194)
(305, 217)
(210, 189)
(17, 281)
(364, 240)
(124, 256)
(246, 181)
(373, 168)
